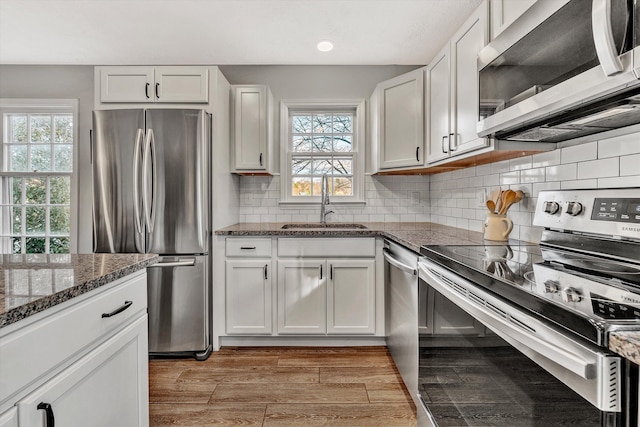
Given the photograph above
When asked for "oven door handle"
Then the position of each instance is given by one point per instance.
(388, 256)
(505, 328)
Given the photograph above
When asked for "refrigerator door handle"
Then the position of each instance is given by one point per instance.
(182, 263)
(136, 184)
(149, 204)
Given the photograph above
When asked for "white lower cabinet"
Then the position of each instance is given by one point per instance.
(326, 296)
(302, 296)
(107, 387)
(351, 296)
(313, 286)
(248, 296)
(9, 418)
(81, 363)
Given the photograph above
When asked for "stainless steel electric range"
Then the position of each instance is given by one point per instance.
(541, 357)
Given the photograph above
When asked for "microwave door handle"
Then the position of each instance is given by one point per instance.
(603, 37)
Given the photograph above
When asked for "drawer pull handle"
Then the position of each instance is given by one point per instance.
(182, 263)
(118, 310)
(247, 248)
(50, 422)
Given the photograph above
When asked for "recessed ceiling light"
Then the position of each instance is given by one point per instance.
(325, 46)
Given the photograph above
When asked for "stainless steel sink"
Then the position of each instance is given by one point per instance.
(320, 225)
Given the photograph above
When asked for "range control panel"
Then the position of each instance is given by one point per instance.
(622, 210)
(608, 212)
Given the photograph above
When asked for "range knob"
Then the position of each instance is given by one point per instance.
(551, 207)
(574, 208)
(551, 286)
(571, 295)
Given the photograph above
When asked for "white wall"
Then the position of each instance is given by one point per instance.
(457, 198)
(61, 81)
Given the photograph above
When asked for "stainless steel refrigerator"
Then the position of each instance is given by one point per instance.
(150, 195)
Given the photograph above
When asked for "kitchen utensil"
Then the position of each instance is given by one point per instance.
(491, 206)
(519, 196)
(508, 198)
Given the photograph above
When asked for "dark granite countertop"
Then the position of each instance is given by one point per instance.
(32, 283)
(409, 234)
(627, 344)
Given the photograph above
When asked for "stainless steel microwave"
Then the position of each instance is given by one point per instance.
(564, 69)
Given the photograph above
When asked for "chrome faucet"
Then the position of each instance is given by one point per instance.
(324, 200)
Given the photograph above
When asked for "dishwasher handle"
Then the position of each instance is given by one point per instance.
(388, 256)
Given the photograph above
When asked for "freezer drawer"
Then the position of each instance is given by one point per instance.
(178, 295)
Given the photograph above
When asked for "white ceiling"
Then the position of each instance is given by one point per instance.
(167, 32)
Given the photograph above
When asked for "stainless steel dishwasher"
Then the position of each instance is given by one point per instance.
(401, 278)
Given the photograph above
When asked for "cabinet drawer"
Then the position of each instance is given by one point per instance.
(327, 247)
(248, 247)
(62, 332)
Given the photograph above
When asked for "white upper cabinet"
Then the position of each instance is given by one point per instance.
(252, 129)
(452, 91)
(153, 84)
(181, 84)
(400, 121)
(505, 12)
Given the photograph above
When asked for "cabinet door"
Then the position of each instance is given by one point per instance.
(439, 107)
(465, 45)
(302, 296)
(449, 319)
(351, 298)
(504, 12)
(250, 127)
(401, 121)
(126, 84)
(181, 84)
(9, 418)
(107, 387)
(248, 296)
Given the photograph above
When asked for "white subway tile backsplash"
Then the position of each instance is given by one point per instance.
(599, 168)
(619, 146)
(521, 163)
(509, 178)
(619, 182)
(579, 153)
(548, 158)
(561, 172)
(630, 165)
(578, 184)
(457, 198)
(532, 175)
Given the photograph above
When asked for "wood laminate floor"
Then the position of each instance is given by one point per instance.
(280, 386)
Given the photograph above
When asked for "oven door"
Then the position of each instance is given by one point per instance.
(528, 374)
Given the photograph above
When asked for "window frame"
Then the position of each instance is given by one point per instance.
(49, 107)
(288, 107)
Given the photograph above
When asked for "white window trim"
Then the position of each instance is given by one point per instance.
(29, 105)
(358, 149)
